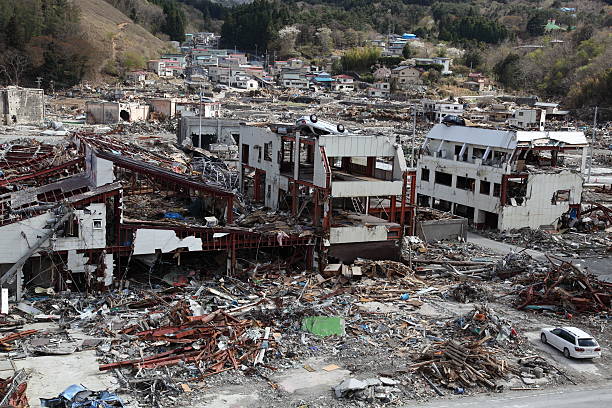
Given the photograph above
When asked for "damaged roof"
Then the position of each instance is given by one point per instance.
(505, 139)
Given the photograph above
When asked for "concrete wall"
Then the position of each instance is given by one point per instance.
(16, 238)
(256, 138)
(222, 128)
(436, 230)
(537, 209)
(105, 113)
(21, 105)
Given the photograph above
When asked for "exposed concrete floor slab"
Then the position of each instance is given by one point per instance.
(232, 397)
(300, 381)
(50, 375)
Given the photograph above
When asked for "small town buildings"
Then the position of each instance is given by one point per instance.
(438, 110)
(405, 77)
(528, 119)
(499, 112)
(136, 77)
(500, 179)
(343, 83)
(443, 61)
(294, 79)
(21, 105)
(379, 90)
(477, 82)
(104, 112)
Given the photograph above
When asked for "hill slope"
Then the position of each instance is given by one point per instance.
(114, 35)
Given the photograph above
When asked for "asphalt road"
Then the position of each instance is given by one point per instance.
(599, 267)
(574, 397)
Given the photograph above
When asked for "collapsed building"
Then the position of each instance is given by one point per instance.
(501, 179)
(355, 188)
(109, 113)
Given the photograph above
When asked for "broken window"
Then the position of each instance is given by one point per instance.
(496, 189)
(71, 227)
(245, 154)
(465, 183)
(97, 224)
(444, 178)
(561, 196)
(425, 174)
(268, 151)
(485, 187)
(258, 152)
(478, 153)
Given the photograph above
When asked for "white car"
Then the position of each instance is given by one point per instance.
(319, 127)
(572, 341)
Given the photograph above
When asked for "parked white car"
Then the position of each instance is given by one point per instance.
(572, 341)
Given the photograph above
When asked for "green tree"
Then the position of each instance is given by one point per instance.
(508, 71)
(407, 51)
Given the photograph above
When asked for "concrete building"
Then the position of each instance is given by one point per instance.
(405, 77)
(355, 188)
(438, 110)
(527, 119)
(499, 179)
(104, 112)
(443, 61)
(379, 90)
(344, 83)
(21, 105)
(294, 79)
(223, 131)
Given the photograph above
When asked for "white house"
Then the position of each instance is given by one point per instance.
(379, 90)
(343, 83)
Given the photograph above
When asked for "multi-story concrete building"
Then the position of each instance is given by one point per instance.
(500, 179)
(354, 187)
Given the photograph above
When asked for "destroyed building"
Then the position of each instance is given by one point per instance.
(107, 113)
(500, 179)
(21, 105)
(355, 187)
(202, 132)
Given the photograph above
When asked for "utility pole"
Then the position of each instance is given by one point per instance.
(592, 144)
(412, 161)
(200, 137)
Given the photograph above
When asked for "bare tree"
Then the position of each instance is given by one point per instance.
(12, 66)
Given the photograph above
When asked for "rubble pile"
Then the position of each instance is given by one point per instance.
(569, 244)
(468, 293)
(465, 365)
(564, 288)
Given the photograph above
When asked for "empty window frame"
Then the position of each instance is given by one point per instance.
(444, 178)
(425, 174)
(561, 196)
(97, 224)
(268, 151)
(485, 187)
(465, 183)
(496, 189)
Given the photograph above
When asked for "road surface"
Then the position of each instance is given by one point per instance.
(599, 267)
(573, 397)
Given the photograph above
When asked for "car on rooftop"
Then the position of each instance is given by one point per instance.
(319, 127)
(571, 341)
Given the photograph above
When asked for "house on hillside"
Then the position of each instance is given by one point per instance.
(405, 77)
